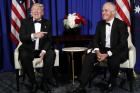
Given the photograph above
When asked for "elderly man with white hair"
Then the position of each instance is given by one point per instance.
(110, 44)
(36, 38)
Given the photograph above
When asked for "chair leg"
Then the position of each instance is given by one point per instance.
(17, 79)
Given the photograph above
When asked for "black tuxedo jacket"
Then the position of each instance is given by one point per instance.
(27, 28)
(118, 39)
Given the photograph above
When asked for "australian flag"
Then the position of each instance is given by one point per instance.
(136, 26)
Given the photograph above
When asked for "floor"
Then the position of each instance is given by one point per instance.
(8, 84)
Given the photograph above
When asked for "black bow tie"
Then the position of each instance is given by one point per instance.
(36, 21)
(108, 24)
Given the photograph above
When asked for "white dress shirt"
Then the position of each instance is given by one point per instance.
(107, 39)
(108, 34)
(37, 29)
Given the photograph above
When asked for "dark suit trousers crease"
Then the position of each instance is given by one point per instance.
(113, 66)
(26, 58)
(48, 66)
(88, 68)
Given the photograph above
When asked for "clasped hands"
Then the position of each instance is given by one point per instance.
(101, 56)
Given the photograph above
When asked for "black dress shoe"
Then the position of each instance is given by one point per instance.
(45, 88)
(53, 83)
(109, 88)
(34, 88)
(78, 90)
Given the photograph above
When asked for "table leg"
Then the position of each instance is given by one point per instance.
(72, 68)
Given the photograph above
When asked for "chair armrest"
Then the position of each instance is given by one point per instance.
(16, 59)
(130, 63)
(89, 50)
(132, 56)
(56, 62)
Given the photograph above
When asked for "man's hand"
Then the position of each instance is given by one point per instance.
(41, 58)
(42, 55)
(98, 53)
(102, 57)
(39, 34)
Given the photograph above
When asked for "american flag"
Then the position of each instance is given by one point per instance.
(18, 12)
(123, 8)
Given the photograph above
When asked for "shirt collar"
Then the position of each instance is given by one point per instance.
(37, 20)
(111, 21)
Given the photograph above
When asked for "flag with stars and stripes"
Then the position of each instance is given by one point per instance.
(123, 8)
(19, 11)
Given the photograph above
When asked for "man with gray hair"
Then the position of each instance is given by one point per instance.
(110, 44)
(36, 38)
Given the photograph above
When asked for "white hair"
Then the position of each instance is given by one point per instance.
(113, 6)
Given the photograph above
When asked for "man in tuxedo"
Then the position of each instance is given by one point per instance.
(35, 35)
(110, 43)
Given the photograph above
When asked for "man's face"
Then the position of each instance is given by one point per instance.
(37, 12)
(107, 13)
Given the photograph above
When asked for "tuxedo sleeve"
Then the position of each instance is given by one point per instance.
(123, 44)
(48, 38)
(24, 34)
(97, 36)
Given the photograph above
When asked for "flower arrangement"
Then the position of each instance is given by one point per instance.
(73, 20)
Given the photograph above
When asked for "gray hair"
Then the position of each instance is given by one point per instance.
(113, 6)
(38, 5)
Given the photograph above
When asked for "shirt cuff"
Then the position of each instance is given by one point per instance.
(93, 51)
(32, 37)
(43, 51)
(89, 50)
(109, 53)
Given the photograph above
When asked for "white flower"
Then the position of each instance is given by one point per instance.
(70, 21)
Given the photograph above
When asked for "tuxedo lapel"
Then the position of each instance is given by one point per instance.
(113, 29)
(42, 26)
(104, 32)
(32, 26)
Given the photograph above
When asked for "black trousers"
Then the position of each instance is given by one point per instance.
(88, 68)
(26, 57)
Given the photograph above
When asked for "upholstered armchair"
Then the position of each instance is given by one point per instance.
(130, 63)
(36, 63)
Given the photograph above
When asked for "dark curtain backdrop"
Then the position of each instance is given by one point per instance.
(55, 10)
(6, 46)
(90, 10)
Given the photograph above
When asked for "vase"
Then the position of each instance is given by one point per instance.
(72, 31)
(70, 37)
